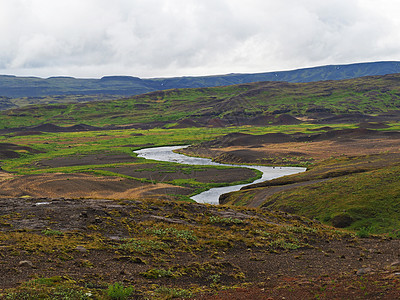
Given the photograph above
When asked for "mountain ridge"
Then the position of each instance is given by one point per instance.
(16, 86)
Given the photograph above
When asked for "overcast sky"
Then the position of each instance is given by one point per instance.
(164, 38)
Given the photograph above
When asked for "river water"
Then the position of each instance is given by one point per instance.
(212, 196)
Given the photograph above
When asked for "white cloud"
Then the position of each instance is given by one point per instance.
(150, 38)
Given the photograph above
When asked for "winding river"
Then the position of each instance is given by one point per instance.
(212, 196)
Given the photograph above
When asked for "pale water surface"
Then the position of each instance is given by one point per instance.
(212, 196)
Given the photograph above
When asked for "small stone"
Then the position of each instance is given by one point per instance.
(25, 263)
(81, 249)
(395, 263)
(395, 266)
(364, 271)
(124, 272)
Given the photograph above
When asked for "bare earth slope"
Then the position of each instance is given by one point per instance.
(87, 244)
(288, 149)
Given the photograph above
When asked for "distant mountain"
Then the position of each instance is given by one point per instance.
(364, 99)
(39, 90)
(332, 72)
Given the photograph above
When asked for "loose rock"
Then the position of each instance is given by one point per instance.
(81, 249)
(25, 263)
(364, 271)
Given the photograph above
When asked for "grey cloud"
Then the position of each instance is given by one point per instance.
(149, 38)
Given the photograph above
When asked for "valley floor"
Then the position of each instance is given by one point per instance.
(60, 233)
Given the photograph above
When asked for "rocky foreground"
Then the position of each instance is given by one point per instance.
(168, 249)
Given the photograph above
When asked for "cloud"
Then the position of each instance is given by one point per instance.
(150, 38)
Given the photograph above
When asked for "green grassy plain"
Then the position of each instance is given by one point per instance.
(65, 144)
(370, 198)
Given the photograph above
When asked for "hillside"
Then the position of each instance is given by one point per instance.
(105, 249)
(351, 181)
(22, 91)
(372, 98)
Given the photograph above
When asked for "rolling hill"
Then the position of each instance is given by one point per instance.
(372, 98)
(22, 91)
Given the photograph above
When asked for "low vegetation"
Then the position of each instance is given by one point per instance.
(82, 217)
(356, 192)
(150, 249)
(253, 103)
(364, 200)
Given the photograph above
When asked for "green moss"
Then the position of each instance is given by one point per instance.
(369, 198)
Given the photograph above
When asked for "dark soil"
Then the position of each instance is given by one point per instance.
(82, 160)
(89, 233)
(344, 135)
(164, 174)
(83, 185)
(8, 150)
(296, 149)
(323, 118)
(54, 128)
(186, 123)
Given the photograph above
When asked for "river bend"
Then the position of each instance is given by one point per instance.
(211, 196)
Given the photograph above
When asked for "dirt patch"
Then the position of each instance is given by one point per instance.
(48, 127)
(373, 125)
(216, 122)
(82, 185)
(373, 286)
(326, 118)
(26, 133)
(8, 150)
(186, 123)
(284, 149)
(286, 119)
(5, 176)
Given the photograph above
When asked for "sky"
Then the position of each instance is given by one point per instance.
(168, 38)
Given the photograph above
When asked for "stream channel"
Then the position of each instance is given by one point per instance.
(211, 196)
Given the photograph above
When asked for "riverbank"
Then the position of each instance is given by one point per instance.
(212, 196)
